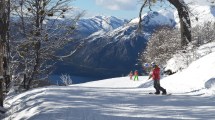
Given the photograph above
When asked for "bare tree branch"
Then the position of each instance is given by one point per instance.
(139, 29)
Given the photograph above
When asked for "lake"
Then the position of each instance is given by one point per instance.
(55, 79)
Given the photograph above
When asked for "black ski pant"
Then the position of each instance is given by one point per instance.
(158, 87)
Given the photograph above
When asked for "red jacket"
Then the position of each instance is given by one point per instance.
(156, 73)
(136, 73)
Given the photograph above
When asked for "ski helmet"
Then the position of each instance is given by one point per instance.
(153, 64)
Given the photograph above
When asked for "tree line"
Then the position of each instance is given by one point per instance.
(165, 43)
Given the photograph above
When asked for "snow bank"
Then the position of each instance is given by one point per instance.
(179, 61)
(196, 77)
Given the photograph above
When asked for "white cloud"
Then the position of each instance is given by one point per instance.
(132, 4)
(118, 4)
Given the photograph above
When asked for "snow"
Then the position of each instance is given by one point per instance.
(200, 2)
(163, 17)
(193, 94)
(111, 83)
(97, 23)
(207, 48)
(203, 10)
(199, 14)
(179, 61)
(194, 77)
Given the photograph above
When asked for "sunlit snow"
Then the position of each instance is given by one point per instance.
(123, 99)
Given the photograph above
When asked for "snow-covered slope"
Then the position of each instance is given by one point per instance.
(122, 98)
(196, 77)
(119, 82)
(178, 62)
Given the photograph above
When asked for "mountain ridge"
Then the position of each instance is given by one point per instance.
(115, 52)
(119, 48)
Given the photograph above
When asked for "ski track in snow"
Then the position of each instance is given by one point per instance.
(91, 103)
(193, 98)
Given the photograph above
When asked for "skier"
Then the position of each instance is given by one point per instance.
(146, 68)
(131, 75)
(155, 75)
(135, 75)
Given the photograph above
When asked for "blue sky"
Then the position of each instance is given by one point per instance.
(126, 9)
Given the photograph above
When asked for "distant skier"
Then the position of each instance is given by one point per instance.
(131, 75)
(135, 75)
(146, 68)
(155, 75)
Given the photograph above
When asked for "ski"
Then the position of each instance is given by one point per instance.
(161, 94)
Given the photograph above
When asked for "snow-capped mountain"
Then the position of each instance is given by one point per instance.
(114, 53)
(118, 47)
(87, 26)
(199, 14)
(165, 16)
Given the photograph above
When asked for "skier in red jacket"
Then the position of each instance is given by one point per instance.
(155, 75)
(131, 75)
